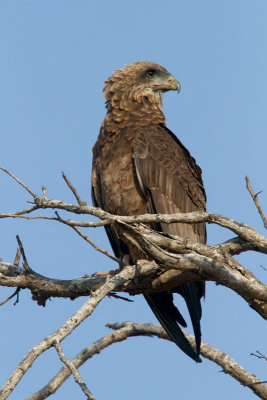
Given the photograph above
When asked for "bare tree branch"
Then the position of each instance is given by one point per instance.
(43, 288)
(20, 213)
(121, 278)
(256, 201)
(193, 266)
(178, 254)
(88, 240)
(74, 191)
(259, 356)
(77, 377)
(227, 271)
(44, 191)
(17, 257)
(128, 329)
(10, 297)
(21, 250)
(19, 181)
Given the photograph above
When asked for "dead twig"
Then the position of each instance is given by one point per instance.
(10, 297)
(19, 181)
(44, 191)
(74, 191)
(88, 240)
(77, 377)
(25, 262)
(17, 258)
(259, 356)
(105, 252)
(19, 213)
(256, 201)
(83, 224)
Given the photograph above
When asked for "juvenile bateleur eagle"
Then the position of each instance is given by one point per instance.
(139, 167)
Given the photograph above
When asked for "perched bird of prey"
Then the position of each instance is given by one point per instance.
(139, 167)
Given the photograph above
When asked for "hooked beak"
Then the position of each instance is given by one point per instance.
(173, 84)
(167, 83)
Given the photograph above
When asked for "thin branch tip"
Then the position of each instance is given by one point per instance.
(19, 181)
(256, 201)
(25, 262)
(74, 191)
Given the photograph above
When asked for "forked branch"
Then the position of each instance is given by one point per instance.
(124, 330)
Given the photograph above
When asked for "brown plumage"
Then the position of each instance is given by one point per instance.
(140, 166)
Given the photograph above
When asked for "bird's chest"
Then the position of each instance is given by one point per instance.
(118, 181)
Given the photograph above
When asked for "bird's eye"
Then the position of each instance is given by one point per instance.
(151, 73)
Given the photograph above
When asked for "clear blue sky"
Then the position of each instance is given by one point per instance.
(55, 56)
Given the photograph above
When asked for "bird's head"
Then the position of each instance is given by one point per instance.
(141, 82)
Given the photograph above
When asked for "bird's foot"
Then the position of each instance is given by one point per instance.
(108, 274)
(140, 263)
(100, 273)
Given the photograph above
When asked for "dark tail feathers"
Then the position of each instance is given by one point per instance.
(169, 316)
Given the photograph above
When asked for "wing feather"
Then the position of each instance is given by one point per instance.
(172, 183)
(171, 177)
